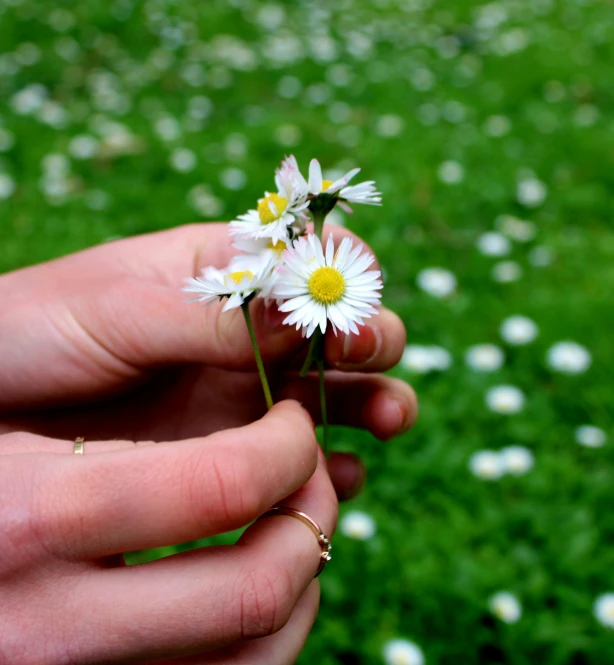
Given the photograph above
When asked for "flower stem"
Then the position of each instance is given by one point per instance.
(311, 353)
(259, 363)
(318, 224)
(323, 406)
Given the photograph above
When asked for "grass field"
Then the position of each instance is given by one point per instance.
(122, 117)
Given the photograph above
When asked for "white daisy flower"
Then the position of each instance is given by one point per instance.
(264, 247)
(518, 330)
(505, 606)
(364, 192)
(244, 276)
(494, 244)
(334, 286)
(505, 399)
(277, 212)
(484, 357)
(402, 652)
(590, 436)
(487, 465)
(517, 460)
(423, 359)
(531, 192)
(603, 609)
(437, 282)
(568, 358)
(357, 525)
(506, 271)
(7, 186)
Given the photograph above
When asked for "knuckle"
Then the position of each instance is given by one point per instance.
(265, 601)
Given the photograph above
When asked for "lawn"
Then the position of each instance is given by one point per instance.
(118, 118)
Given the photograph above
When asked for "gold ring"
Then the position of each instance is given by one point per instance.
(79, 445)
(323, 540)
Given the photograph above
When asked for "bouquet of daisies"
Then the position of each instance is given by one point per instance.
(282, 261)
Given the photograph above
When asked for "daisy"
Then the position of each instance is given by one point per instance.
(357, 525)
(569, 358)
(603, 609)
(487, 465)
(402, 652)
(517, 460)
(484, 357)
(518, 330)
(505, 399)
(277, 213)
(243, 277)
(590, 436)
(437, 282)
(334, 286)
(364, 192)
(505, 606)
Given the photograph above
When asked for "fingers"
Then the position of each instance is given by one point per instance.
(211, 599)
(384, 406)
(377, 348)
(168, 493)
(282, 648)
(348, 474)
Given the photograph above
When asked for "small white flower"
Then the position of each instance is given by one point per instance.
(365, 192)
(484, 357)
(83, 146)
(531, 192)
(402, 652)
(451, 172)
(506, 271)
(183, 160)
(437, 282)
(494, 244)
(7, 186)
(518, 330)
(497, 125)
(423, 359)
(505, 399)
(505, 606)
(233, 178)
(333, 286)
(591, 436)
(487, 465)
(568, 358)
(517, 460)
(389, 125)
(357, 525)
(517, 229)
(603, 609)
(244, 276)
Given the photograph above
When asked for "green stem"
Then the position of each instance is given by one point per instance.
(323, 406)
(318, 224)
(259, 363)
(311, 351)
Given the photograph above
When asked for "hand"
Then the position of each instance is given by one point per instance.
(102, 344)
(66, 599)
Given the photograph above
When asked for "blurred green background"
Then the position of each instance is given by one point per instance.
(121, 117)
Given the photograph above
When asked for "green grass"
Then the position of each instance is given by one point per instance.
(445, 540)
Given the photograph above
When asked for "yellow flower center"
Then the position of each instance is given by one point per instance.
(266, 210)
(326, 184)
(277, 245)
(327, 285)
(236, 277)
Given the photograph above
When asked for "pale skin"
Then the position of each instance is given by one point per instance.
(102, 344)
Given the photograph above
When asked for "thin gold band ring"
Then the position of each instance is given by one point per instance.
(79, 446)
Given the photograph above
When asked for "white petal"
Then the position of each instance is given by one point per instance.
(315, 177)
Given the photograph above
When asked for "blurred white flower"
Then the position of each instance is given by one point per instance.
(506, 271)
(484, 357)
(358, 525)
(437, 282)
(204, 201)
(168, 128)
(494, 244)
(603, 609)
(497, 125)
(505, 399)
(389, 125)
(486, 464)
(518, 330)
(423, 359)
(83, 146)
(590, 436)
(505, 606)
(569, 358)
(531, 192)
(288, 135)
(7, 186)
(517, 460)
(183, 160)
(402, 652)
(517, 229)
(541, 256)
(7, 140)
(586, 115)
(233, 178)
(29, 100)
(451, 172)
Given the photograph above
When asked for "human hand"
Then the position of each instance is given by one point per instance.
(66, 598)
(102, 344)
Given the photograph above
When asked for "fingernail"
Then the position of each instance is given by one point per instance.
(361, 348)
(404, 420)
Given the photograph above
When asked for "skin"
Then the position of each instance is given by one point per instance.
(102, 344)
